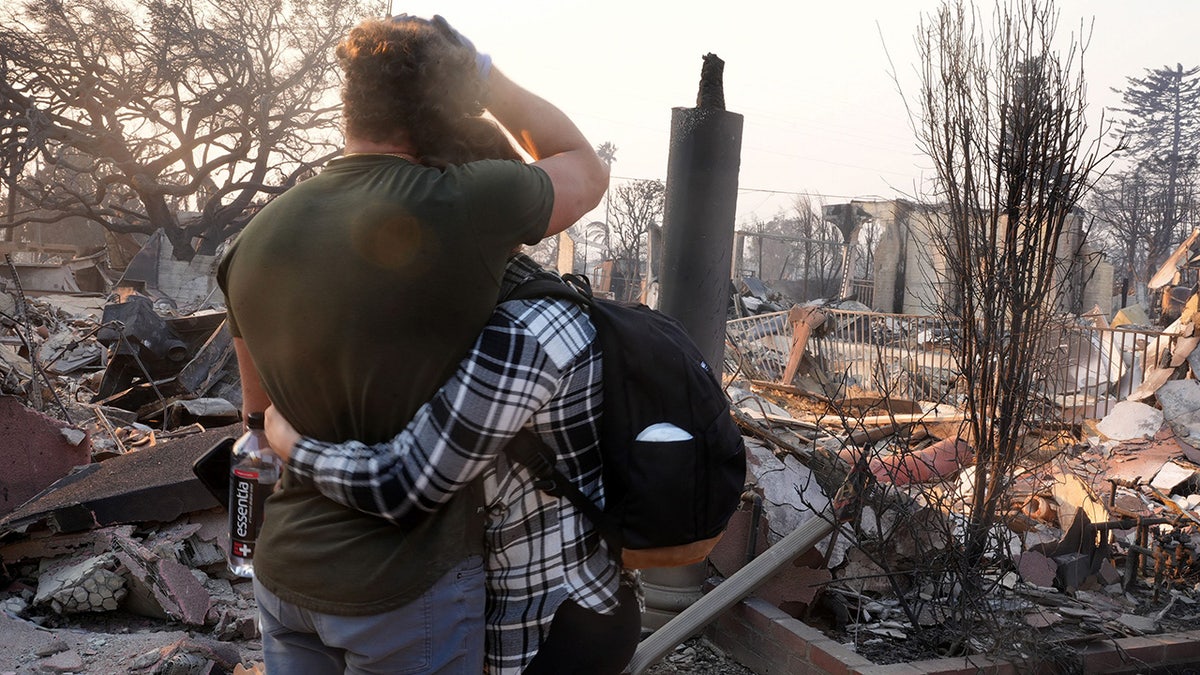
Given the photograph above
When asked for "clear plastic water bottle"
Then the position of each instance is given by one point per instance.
(254, 470)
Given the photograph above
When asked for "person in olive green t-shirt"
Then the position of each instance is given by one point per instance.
(352, 297)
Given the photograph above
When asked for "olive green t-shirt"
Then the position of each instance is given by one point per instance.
(357, 293)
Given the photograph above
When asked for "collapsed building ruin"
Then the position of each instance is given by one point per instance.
(114, 394)
(1100, 539)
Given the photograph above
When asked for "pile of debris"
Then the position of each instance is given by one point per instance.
(134, 535)
(1101, 539)
(106, 399)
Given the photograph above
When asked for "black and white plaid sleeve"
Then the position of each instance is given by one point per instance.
(506, 378)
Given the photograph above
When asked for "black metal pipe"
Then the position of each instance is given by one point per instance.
(698, 217)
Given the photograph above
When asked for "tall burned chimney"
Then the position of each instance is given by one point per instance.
(701, 202)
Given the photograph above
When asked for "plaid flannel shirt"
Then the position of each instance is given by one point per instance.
(534, 363)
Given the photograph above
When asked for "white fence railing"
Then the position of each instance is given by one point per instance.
(910, 356)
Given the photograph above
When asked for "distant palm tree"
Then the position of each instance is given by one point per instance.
(608, 154)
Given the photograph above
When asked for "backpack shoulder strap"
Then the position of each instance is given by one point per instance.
(530, 451)
(572, 287)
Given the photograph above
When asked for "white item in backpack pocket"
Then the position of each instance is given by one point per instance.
(663, 432)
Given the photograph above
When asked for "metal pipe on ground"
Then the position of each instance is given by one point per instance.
(732, 590)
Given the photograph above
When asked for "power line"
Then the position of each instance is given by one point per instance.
(793, 193)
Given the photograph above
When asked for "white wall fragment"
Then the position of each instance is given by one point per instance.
(1131, 419)
(1180, 401)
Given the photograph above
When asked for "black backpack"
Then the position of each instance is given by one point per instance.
(666, 502)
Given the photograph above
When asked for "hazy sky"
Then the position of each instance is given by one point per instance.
(822, 113)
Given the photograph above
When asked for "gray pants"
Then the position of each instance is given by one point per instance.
(440, 632)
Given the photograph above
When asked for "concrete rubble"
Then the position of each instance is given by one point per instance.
(90, 585)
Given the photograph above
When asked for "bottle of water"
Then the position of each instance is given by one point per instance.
(253, 472)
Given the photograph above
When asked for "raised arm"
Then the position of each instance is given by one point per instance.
(497, 388)
(559, 148)
(547, 134)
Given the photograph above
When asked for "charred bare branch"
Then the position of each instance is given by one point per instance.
(129, 115)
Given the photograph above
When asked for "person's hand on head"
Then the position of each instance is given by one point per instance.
(483, 62)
